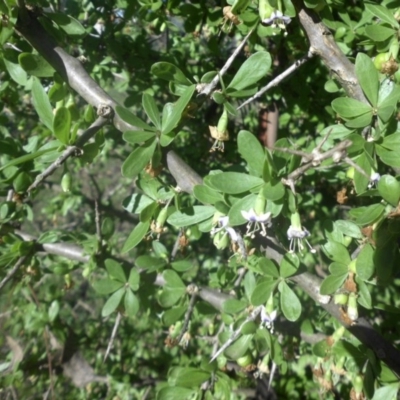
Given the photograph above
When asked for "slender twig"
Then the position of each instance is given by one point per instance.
(177, 244)
(207, 89)
(97, 221)
(70, 151)
(337, 152)
(194, 291)
(113, 334)
(51, 375)
(253, 315)
(14, 270)
(356, 167)
(241, 273)
(241, 244)
(276, 81)
(215, 339)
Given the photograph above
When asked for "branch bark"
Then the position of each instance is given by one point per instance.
(323, 45)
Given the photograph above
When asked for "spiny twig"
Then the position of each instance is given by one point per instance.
(70, 151)
(253, 315)
(193, 290)
(276, 81)
(113, 334)
(207, 89)
(17, 266)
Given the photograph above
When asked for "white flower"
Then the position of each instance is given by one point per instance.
(374, 180)
(296, 237)
(223, 224)
(256, 222)
(277, 20)
(268, 319)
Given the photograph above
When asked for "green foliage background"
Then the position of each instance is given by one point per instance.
(115, 284)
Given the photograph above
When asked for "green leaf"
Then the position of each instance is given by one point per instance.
(206, 194)
(131, 303)
(364, 296)
(268, 267)
(150, 107)
(249, 284)
(233, 306)
(290, 304)
(262, 291)
(349, 228)
(274, 190)
(244, 204)
(68, 24)
(251, 71)
(27, 157)
(379, 33)
(190, 216)
(35, 65)
(137, 202)
(113, 302)
(350, 108)
(289, 265)
(182, 265)
(388, 104)
(134, 279)
(115, 270)
(337, 268)
(169, 296)
(173, 314)
(360, 180)
(387, 392)
(234, 182)
(368, 77)
(388, 157)
(368, 215)
(150, 263)
(106, 286)
(169, 72)
(337, 252)
(360, 121)
(54, 309)
(132, 119)
(136, 236)
(62, 125)
(173, 280)
(332, 283)
(170, 121)
(138, 159)
(42, 104)
(383, 13)
(135, 137)
(252, 152)
(239, 348)
(148, 212)
(187, 377)
(15, 70)
(365, 263)
(389, 189)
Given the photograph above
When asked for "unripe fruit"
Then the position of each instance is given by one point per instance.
(380, 60)
(66, 182)
(245, 361)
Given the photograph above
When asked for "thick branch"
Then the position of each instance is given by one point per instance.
(323, 44)
(69, 68)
